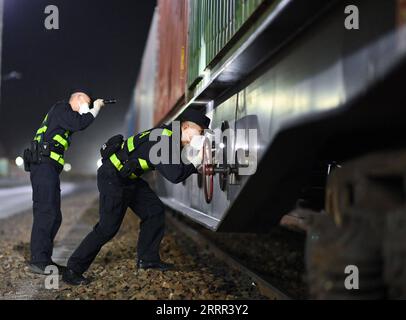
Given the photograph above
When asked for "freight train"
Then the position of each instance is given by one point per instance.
(319, 81)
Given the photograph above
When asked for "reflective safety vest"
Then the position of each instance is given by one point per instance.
(128, 147)
(59, 141)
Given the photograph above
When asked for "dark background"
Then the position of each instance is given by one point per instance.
(99, 44)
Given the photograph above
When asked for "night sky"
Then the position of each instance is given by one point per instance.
(100, 44)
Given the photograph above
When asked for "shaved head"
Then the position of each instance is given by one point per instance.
(77, 98)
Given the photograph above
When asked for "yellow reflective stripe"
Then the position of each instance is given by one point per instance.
(167, 132)
(142, 135)
(67, 133)
(144, 164)
(116, 162)
(42, 130)
(130, 144)
(62, 141)
(37, 139)
(57, 157)
(133, 176)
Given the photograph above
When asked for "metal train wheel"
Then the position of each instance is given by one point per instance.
(208, 171)
(199, 180)
(364, 229)
(223, 176)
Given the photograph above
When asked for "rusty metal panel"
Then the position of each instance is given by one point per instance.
(172, 58)
(401, 12)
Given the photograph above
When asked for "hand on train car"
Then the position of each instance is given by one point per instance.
(195, 157)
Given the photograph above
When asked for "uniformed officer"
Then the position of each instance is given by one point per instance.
(121, 187)
(45, 163)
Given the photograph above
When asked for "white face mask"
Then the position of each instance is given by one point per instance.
(83, 108)
(197, 142)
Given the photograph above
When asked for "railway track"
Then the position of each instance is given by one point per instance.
(202, 241)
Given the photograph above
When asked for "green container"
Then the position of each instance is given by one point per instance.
(212, 24)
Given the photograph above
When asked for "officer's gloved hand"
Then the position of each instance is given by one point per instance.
(197, 160)
(195, 151)
(194, 156)
(97, 105)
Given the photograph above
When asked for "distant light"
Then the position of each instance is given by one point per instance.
(13, 75)
(222, 145)
(67, 167)
(19, 162)
(99, 163)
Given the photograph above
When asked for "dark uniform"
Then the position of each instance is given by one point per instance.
(118, 193)
(56, 132)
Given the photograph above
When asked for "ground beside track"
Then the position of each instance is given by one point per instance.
(277, 257)
(198, 275)
(15, 280)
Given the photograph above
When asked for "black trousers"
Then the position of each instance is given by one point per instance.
(145, 203)
(47, 218)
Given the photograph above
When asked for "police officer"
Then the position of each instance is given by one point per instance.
(45, 163)
(121, 187)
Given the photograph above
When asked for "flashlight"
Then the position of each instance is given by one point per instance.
(109, 101)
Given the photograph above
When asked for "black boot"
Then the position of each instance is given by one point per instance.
(61, 269)
(159, 265)
(39, 268)
(74, 279)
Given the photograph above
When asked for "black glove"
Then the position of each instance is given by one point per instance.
(111, 146)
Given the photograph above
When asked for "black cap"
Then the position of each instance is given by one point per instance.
(197, 117)
(82, 89)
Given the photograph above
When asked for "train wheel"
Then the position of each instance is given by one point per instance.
(223, 176)
(394, 250)
(340, 263)
(357, 250)
(199, 180)
(208, 170)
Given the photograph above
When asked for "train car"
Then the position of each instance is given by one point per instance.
(145, 88)
(130, 119)
(318, 83)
